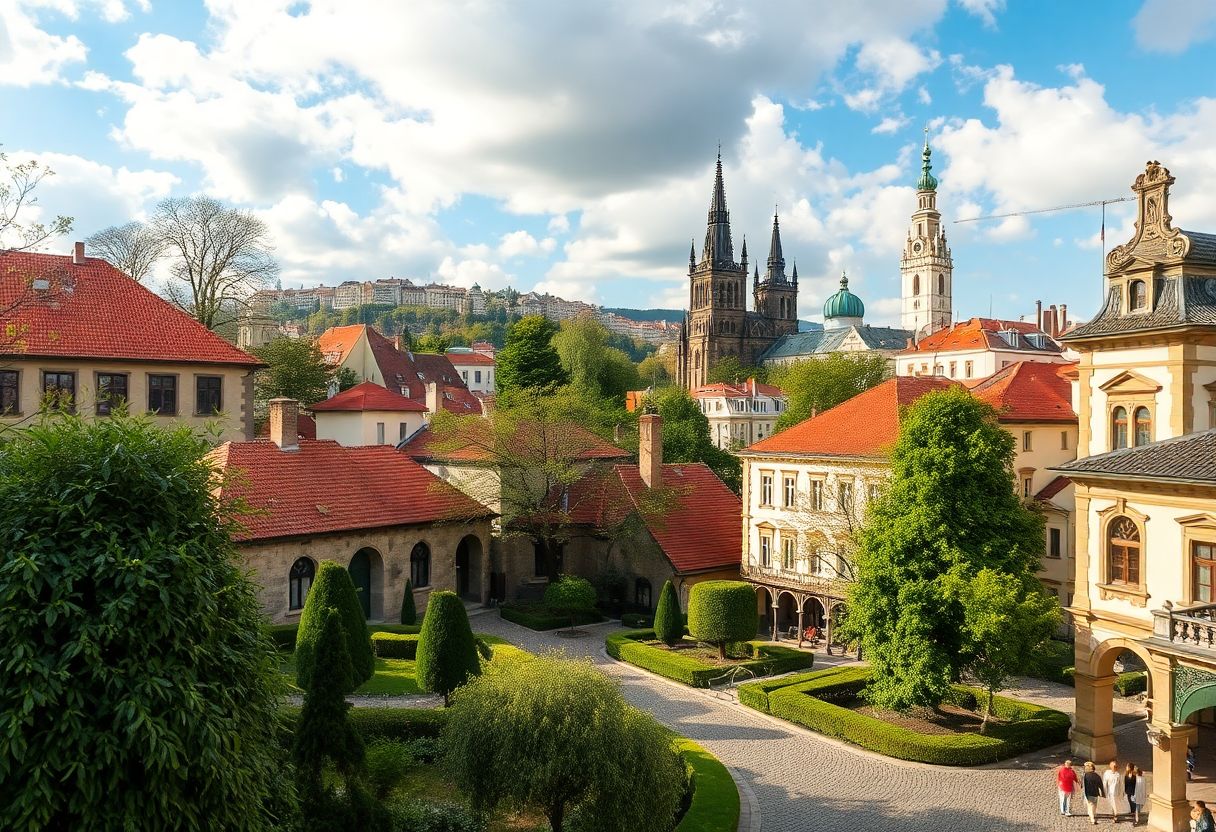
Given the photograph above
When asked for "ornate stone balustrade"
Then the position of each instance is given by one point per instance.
(1191, 626)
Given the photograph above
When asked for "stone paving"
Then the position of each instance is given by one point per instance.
(803, 781)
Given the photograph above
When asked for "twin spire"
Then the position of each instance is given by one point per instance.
(719, 249)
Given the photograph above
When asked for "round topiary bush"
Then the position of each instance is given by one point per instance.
(720, 612)
(447, 652)
(333, 587)
(570, 596)
(668, 621)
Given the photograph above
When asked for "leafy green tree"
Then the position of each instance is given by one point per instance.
(323, 732)
(432, 342)
(817, 384)
(656, 371)
(409, 612)
(686, 436)
(668, 621)
(583, 346)
(332, 587)
(570, 595)
(138, 689)
(949, 511)
(447, 652)
(295, 368)
(721, 612)
(557, 736)
(1007, 620)
(347, 378)
(529, 359)
(730, 370)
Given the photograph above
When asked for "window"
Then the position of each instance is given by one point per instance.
(766, 550)
(1027, 489)
(789, 491)
(477, 376)
(379, 433)
(1026, 445)
(941, 284)
(208, 395)
(1063, 440)
(787, 552)
(10, 392)
(111, 392)
(1144, 426)
(464, 375)
(1137, 292)
(1123, 552)
(1055, 542)
(953, 369)
(1203, 570)
(538, 561)
(299, 581)
(766, 489)
(1118, 429)
(872, 494)
(59, 391)
(162, 395)
(937, 370)
(968, 368)
(817, 495)
(641, 593)
(420, 565)
(846, 496)
(924, 369)
(916, 284)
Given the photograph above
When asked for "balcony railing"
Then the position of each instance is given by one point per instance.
(1193, 626)
(788, 576)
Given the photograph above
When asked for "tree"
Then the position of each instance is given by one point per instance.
(346, 378)
(731, 370)
(686, 436)
(656, 370)
(332, 587)
(570, 595)
(132, 248)
(409, 613)
(668, 621)
(219, 256)
(817, 384)
(529, 359)
(432, 342)
(721, 612)
(447, 652)
(295, 368)
(949, 511)
(323, 732)
(1006, 619)
(557, 736)
(139, 689)
(18, 181)
(589, 361)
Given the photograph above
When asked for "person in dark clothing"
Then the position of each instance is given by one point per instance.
(1091, 786)
(1204, 822)
(1129, 788)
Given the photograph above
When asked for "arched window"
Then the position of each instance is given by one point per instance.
(1123, 552)
(1144, 426)
(420, 565)
(1138, 294)
(1118, 429)
(299, 580)
(941, 284)
(916, 284)
(641, 593)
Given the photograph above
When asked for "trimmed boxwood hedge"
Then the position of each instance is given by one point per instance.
(769, 659)
(637, 620)
(395, 645)
(284, 635)
(382, 723)
(541, 617)
(805, 700)
(1132, 682)
(715, 799)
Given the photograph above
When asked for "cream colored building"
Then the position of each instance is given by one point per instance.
(83, 336)
(977, 348)
(740, 414)
(368, 414)
(1146, 492)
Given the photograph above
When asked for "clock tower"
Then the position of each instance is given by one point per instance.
(926, 266)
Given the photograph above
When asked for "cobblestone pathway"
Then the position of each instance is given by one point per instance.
(806, 782)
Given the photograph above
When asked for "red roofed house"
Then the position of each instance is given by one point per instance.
(476, 369)
(76, 329)
(978, 348)
(740, 414)
(369, 508)
(368, 414)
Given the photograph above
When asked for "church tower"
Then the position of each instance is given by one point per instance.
(776, 296)
(926, 266)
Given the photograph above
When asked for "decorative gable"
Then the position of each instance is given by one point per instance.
(1129, 383)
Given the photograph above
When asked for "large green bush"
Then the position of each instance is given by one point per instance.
(137, 687)
(570, 596)
(668, 620)
(767, 659)
(715, 799)
(395, 645)
(720, 612)
(333, 587)
(384, 723)
(323, 733)
(447, 652)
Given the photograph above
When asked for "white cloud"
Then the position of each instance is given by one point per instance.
(985, 10)
(467, 272)
(891, 125)
(523, 244)
(29, 55)
(559, 224)
(1173, 26)
(922, 95)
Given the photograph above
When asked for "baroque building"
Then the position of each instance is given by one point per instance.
(926, 268)
(718, 324)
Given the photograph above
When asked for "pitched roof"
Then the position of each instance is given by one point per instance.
(983, 333)
(368, 396)
(470, 358)
(325, 487)
(1185, 300)
(742, 389)
(93, 310)
(865, 425)
(1188, 458)
(336, 342)
(823, 341)
(1053, 488)
(473, 441)
(1029, 391)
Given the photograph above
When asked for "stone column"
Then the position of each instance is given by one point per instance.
(1093, 734)
(827, 622)
(1169, 810)
(776, 637)
(801, 629)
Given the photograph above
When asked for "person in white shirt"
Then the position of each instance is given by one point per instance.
(1112, 784)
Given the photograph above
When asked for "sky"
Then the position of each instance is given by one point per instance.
(569, 146)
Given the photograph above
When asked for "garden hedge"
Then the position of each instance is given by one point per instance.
(715, 799)
(284, 635)
(541, 617)
(1131, 683)
(720, 612)
(637, 620)
(395, 645)
(805, 700)
(382, 723)
(769, 659)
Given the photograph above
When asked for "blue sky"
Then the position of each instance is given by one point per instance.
(569, 147)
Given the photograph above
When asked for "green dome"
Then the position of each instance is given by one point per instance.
(844, 304)
(927, 181)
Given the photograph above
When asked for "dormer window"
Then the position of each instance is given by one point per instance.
(421, 377)
(1137, 294)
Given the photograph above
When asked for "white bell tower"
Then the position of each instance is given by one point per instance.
(926, 266)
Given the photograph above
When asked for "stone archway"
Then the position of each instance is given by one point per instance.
(469, 563)
(764, 611)
(366, 570)
(786, 611)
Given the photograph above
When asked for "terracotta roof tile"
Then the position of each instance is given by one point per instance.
(93, 310)
(369, 396)
(1053, 488)
(461, 359)
(1029, 391)
(736, 390)
(981, 333)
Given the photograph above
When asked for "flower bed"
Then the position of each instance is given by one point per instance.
(810, 700)
(541, 617)
(768, 659)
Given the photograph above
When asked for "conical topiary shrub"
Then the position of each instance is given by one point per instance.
(324, 732)
(668, 622)
(333, 587)
(409, 613)
(447, 652)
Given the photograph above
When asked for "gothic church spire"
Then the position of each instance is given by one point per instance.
(718, 248)
(776, 260)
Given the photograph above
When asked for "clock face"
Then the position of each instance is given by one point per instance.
(916, 247)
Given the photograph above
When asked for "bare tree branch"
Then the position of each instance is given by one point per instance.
(17, 185)
(133, 248)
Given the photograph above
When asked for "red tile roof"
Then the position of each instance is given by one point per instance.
(93, 310)
(978, 333)
(306, 427)
(1053, 488)
(369, 396)
(736, 390)
(472, 440)
(1029, 391)
(325, 487)
(865, 425)
(470, 359)
(336, 342)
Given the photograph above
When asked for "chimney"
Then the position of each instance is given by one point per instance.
(78, 255)
(1063, 318)
(1051, 321)
(1038, 314)
(650, 449)
(434, 395)
(284, 430)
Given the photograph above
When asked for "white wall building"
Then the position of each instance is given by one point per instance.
(368, 414)
(740, 414)
(476, 369)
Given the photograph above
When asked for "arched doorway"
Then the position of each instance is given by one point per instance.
(366, 570)
(787, 614)
(814, 615)
(468, 568)
(764, 611)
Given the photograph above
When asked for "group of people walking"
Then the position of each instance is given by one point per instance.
(1121, 792)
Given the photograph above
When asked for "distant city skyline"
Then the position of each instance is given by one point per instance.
(575, 156)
